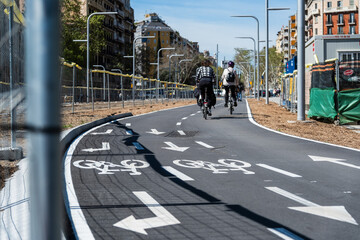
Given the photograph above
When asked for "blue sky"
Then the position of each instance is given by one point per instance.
(209, 23)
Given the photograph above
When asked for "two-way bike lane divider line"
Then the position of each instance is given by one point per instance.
(155, 132)
(181, 132)
(178, 124)
(333, 160)
(109, 131)
(289, 174)
(173, 147)
(178, 174)
(204, 144)
(163, 217)
(105, 147)
(338, 213)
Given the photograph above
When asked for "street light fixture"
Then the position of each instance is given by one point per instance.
(171, 56)
(258, 46)
(158, 70)
(267, 9)
(258, 70)
(133, 57)
(88, 47)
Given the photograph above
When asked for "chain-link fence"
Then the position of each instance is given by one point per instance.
(107, 89)
(11, 75)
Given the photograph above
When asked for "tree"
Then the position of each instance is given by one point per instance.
(275, 67)
(74, 27)
(244, 59)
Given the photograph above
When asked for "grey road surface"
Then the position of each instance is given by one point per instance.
(174, 175)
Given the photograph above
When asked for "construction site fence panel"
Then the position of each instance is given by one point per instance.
(349, 106)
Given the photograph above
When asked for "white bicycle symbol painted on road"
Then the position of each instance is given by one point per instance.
(129, 165)
(223, 165)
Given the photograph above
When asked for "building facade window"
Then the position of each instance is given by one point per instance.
(316, 31)
(328, 19)
(339, 4)
(315, 5)
(352, 30)
(341, 18)
(316, 19)
(340, 30)
(329, 4)
(352, 18)
(329, 30)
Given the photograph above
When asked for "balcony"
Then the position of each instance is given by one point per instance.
(341, 23)
(329, 23)
(352, 8)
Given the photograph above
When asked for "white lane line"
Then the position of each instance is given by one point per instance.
(204, 144)
(292, 197)
(193, 114)
(178, 124)
(177, 173)
(184, 118)
(128, 124)
(182, 133)
(198, 111)
(279, 233)
(279, 170)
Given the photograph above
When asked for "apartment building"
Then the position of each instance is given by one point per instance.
(286, 42)
(118, 28)
(165, 37)
(331, 17)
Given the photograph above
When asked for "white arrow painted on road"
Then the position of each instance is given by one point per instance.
(105, 147)
(156, 132)
(173, 147)
(333, 160)
(338, 213)
(163, 217)
(109, 131)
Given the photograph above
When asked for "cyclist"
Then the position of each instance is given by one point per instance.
(205, 78)
(230, 81)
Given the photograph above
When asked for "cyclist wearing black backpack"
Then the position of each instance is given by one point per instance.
(230, 81)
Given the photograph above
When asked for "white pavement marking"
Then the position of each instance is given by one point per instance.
(178, 124)
(155, 132)
(204, 144)
(178, 174)
(279, 170)
(109, 131)
(282, 235)
(338, 213)
(198, 111)
(193, 114)
(173, 147)
(333, 160)
(163, 217)
(184, 118)
(128, 125)
(105, 147)
(182, 133)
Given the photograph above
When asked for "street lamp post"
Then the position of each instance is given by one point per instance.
(121, 85)
(184, 60)
(133, 57)
(267, 9)
(158, 70)
(174, 55)
(254, 61)
(88, 47)
(101, 66)
(301, 61)
(258, 47)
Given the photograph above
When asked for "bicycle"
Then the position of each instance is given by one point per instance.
(205, 107)
(231, 105)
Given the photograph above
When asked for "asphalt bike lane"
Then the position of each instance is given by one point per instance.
(195, 174)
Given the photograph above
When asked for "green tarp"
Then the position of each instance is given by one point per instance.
(322, 103)
(349, 106)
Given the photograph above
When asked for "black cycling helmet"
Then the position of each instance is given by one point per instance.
(231, 64)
